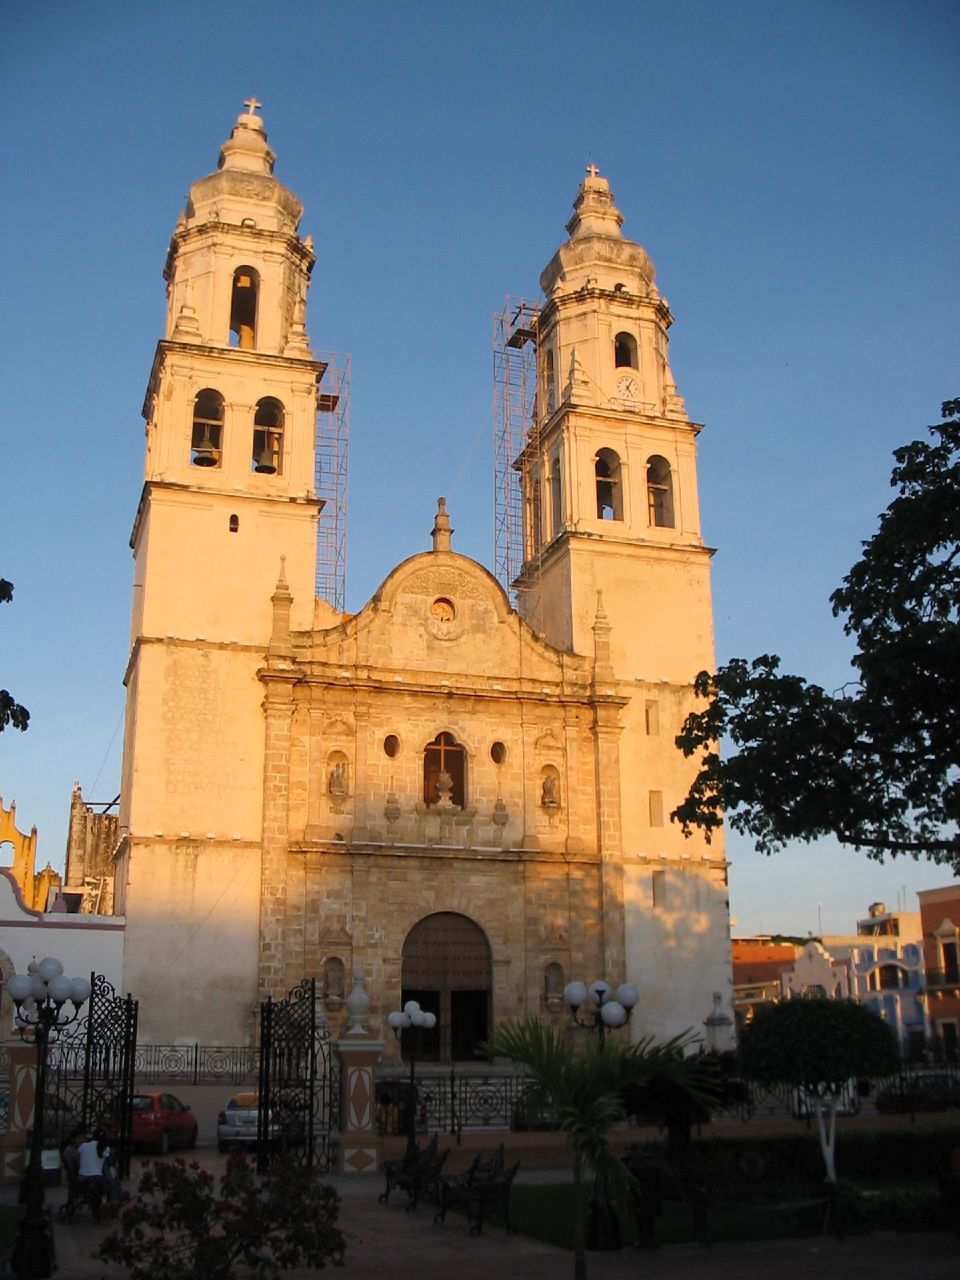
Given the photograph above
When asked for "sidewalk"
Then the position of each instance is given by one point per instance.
(385, 1241)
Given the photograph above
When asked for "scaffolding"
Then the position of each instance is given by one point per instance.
(514, 426)
(330, 481)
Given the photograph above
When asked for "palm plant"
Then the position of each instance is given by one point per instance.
(585, 1090)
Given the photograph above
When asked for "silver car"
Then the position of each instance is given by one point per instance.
(237, 1124)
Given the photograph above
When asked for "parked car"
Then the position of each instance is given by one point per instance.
(237, 1123)
(161, 1121)
(937, 1091)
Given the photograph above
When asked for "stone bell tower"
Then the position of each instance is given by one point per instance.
(612, 540)
(228, 493)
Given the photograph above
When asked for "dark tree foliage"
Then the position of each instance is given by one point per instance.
(877, 764)
(11, 711)
(816, 1044)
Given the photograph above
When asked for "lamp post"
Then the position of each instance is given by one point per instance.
(604, 1008)
(41, 996)
(416, 1020)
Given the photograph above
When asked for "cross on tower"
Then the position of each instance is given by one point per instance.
(251, 104)
(592, 170)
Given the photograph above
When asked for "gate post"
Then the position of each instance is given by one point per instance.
(22, 1088)
(359, 1143)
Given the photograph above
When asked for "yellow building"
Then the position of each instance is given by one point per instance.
(469, 803)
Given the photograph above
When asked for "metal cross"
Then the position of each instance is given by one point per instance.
(592, 170)
(251, 104)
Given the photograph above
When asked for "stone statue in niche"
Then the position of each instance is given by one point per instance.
(550, 792)
(337, 784)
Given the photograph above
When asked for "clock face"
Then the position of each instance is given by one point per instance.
(627, 388)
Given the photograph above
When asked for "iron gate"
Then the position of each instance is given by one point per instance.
(90, 1080)
(299, 1095)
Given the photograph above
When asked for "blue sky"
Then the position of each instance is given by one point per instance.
(791, 169)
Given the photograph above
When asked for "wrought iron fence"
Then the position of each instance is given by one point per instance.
(196, 1064)
(448, 1102)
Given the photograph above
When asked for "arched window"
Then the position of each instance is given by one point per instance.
(889, 977)
(549, 382)
(243, 308)
(556, 496)
(609, 491)
(444, 772)
(660, 493)
(206, 440)
(267, 456)
(625, 351)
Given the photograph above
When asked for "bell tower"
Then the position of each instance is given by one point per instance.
(228, 505)
(230, 409)
(610, 474)
(615, 569)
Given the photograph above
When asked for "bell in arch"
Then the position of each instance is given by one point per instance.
(205, 455)
(263, 462)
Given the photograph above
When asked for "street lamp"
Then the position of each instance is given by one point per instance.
(416, 1020)
(604, 1009)
(41, 996)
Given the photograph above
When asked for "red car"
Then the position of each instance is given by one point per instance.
(162, 1121)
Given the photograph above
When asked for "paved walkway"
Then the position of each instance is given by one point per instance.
(386, 1243)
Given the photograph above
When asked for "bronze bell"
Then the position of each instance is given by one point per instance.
(205, 455)
(263, 462)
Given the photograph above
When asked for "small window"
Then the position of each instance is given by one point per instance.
(556, 496)
(660, 493)
(243, 308)
(651, 716)
(625, 351)
(656, 808)
(444, 770)
(532, 517)
(549, 382)
(609, 489)
(267, 458)
(207, 436)
(234, 524)
(498, 753)
(889, 978)
(658, 889)
(391, 746)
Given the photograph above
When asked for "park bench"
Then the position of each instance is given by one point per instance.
(482, 1191)
(82, 1191)
(418, 1173)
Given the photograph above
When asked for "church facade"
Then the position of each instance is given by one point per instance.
(468, 802)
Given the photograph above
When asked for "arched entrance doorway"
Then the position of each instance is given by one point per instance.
(447, 968)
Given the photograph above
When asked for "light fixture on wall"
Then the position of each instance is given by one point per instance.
(41, 996)
(605, 1010)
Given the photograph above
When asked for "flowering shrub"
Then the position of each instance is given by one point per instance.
(177, 1227)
